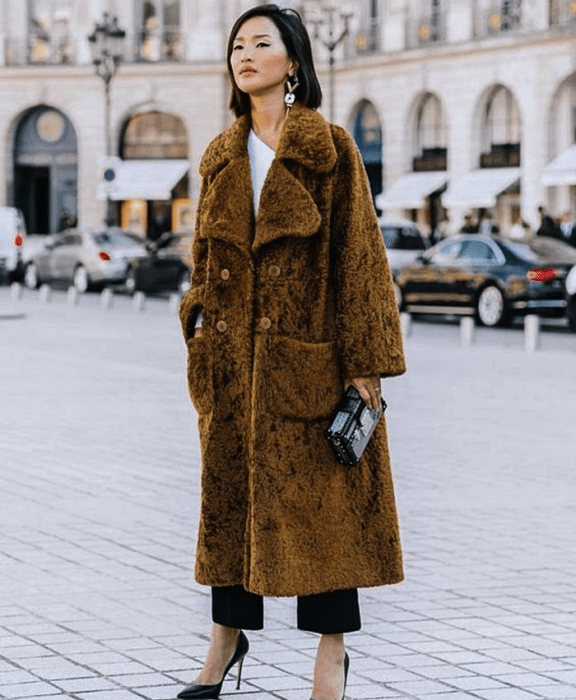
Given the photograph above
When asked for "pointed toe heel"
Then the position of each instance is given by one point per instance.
(196, 691)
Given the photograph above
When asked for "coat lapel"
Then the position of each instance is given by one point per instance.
(286, 206)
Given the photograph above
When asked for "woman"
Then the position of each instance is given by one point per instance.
(291, 300)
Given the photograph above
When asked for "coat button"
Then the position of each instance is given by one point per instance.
(274, 271)
(265, 323)
(225, 274)
(221, 326)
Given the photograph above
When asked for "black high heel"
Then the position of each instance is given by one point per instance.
(346, 667)
(204, 692)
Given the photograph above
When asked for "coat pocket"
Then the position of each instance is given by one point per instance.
(199, 371)
(303, 379)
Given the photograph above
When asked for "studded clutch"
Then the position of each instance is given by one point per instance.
(352, 426)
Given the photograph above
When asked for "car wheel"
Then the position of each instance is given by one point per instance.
(130, 283)
(184, 283)
(81, 281)
(31, 279)
(491, 306)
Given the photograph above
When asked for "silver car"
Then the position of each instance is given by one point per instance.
(84, 258)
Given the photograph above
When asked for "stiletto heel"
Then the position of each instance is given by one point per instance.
(240, 664)
(196, 691)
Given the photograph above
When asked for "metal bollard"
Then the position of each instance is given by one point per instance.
(106, 299)
(139, 301)
(72, 296)
(467, 330)
(531, 333)
(173, 303)
(406, 323)
(44, 294)
(16, 291)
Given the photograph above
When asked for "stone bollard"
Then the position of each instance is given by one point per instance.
(406, 323)
(467, 330)
(173, 303)
(44, 294)
(72, 296)
(139, 301)
(531, 333)
(16, 291)
(106, 299)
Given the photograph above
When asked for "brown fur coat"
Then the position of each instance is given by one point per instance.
(292, 305)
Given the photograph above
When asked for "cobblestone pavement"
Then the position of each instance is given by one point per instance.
(99, 474)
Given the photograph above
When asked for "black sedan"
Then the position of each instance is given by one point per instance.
(489, 277)
(166, 267)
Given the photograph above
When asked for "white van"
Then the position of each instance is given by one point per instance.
(12, 240)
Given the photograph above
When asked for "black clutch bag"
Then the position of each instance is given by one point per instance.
(352, 426)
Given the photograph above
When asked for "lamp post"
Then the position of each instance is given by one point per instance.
(331, 39)
(106, 45)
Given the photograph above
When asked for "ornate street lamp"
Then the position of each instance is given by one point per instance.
(337, 25)
(106, 45)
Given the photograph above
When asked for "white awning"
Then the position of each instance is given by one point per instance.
(411, 190)
(562, 170)
(478, 189)
(144, 179)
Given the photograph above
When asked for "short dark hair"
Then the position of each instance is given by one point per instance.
(298, 47)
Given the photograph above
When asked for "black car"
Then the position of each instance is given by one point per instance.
(166, 267)
(490, 277)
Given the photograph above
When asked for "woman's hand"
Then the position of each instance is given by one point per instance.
(197, 332)
(369, 390)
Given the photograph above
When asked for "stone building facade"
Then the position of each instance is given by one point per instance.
(457, 106)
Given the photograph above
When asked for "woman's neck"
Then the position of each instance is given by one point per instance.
(268, 116)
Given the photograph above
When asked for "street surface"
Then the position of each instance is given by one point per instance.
(99, 469)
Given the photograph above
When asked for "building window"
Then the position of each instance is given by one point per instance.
(498, 16)
(500, 131)
(49, 31)
(428, 27)
(430, 142)
(154, 135)
(562, 12)
(158, 32)
(368, 38)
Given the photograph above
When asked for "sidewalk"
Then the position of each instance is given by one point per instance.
(100, 472)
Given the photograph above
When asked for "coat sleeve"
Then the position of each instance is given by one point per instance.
(193, 301)
(369, 334)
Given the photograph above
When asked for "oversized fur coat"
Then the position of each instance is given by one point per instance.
(294, 302)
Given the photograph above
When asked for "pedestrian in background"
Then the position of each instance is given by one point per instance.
(486, 226)
(291, 300)
(468, 226)
(567, 229)
(548, 226)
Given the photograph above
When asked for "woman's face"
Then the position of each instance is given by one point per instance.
(259, 59)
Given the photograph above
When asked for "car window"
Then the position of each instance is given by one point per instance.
(445, 252)
(521, 251)
(477, 251)
(402, 238)
(109, 239)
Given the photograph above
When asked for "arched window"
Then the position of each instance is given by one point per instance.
(500, 135)
(367, 132)
(154, 135)
(563, 117)
(430, 142)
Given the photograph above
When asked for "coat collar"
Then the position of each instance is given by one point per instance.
(305, 139)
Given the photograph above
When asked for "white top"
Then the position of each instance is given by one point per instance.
(261, 157)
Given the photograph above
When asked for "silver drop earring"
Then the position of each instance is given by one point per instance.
(290, 97)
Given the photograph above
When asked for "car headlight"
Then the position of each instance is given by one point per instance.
(571, 281)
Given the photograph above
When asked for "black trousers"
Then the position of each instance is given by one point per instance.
(335, 612)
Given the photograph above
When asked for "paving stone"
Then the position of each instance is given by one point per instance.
(98, 598)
